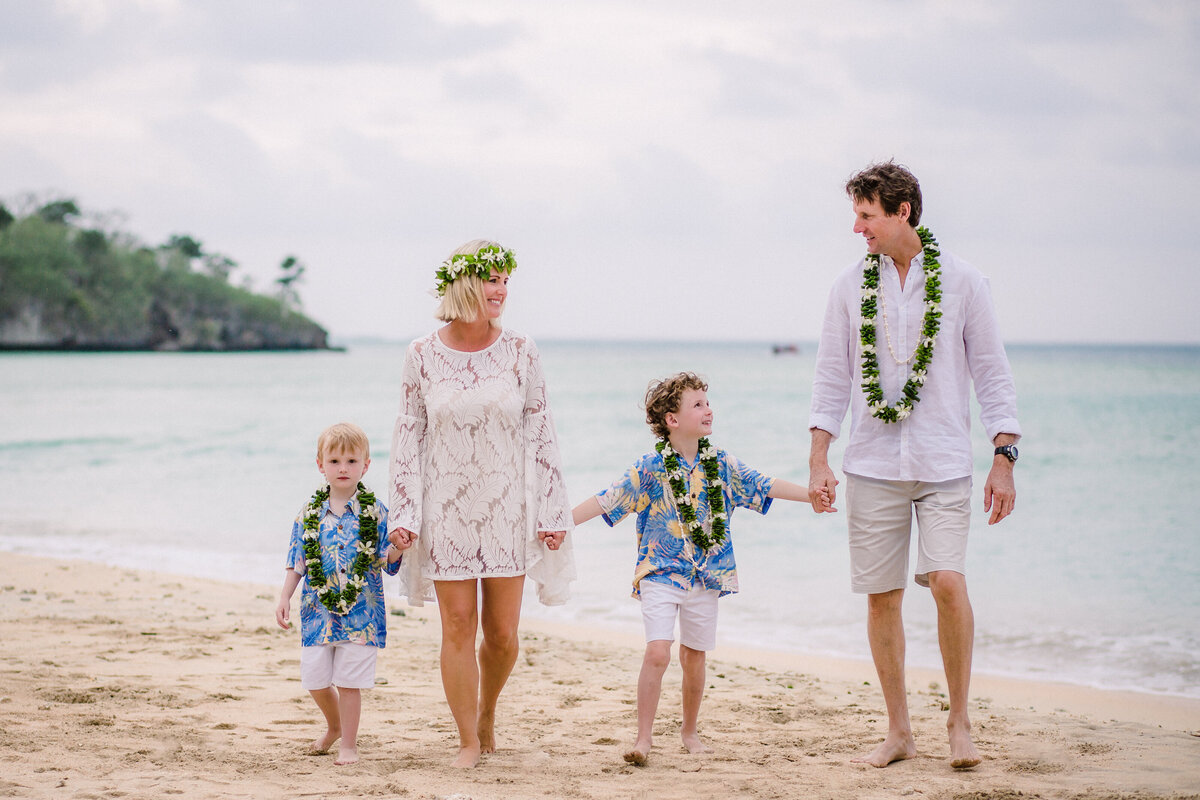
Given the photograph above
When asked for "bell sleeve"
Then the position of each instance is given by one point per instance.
(546, 502)
(406, 472)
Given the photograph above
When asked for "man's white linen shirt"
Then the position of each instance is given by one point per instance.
(934, 442)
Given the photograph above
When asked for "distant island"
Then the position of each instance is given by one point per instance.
(65, 285)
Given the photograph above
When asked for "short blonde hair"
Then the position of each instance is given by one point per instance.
(463, 299)
(343, 437)
(664, 397)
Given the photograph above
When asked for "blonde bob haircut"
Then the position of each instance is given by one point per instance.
(344, 437)
(463, 299)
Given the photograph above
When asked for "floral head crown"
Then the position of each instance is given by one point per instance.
(486, 259)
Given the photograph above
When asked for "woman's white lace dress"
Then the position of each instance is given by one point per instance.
(475, 469)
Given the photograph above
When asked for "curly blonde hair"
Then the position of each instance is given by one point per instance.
(664, 397)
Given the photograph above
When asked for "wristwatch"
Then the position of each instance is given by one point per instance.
(1009, 451)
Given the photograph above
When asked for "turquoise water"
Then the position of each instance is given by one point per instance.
(196, 463)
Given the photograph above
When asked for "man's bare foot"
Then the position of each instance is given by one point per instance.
(639, 754)
(346, 755)
(485, 728)
(321, 746)
(468, 757)
(963, 754)
(896, 747)
(694, 744)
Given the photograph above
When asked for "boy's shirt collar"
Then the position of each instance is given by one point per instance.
(327, 507)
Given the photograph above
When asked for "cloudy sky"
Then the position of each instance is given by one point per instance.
(662, 169)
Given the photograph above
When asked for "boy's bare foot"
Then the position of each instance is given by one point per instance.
(639, 754)
(963, 754)
(321, 746)
(346, 755)
(485, 728)
(694, 744)
(896, 747)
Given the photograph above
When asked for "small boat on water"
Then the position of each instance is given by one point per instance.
(783, 348)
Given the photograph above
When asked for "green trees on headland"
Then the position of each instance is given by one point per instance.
(69, 286)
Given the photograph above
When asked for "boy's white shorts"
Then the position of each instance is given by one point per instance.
(343, 664)
(696, 609)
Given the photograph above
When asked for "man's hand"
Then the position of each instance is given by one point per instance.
(1000, 491)
(822, 488)
(822, 483)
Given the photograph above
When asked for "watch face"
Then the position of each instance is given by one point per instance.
(1009, 451)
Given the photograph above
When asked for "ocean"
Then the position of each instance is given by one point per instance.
(196, 464)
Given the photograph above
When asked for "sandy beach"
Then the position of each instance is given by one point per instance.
(119, 683)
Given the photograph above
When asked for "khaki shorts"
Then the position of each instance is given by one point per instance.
(696, 610)
(880, 515)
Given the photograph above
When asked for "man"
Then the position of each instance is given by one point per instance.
(907, 330)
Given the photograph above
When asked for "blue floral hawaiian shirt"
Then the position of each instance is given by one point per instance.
(665, 555)
(366, 622)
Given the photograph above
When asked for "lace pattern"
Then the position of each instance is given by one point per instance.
(475, 469)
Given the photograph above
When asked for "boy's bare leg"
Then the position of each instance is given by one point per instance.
(501, 617)
(885, 631)
(956, 635)
(350, 708)
(327, 701)
(692, 662)
(460, 670)
(654, 665)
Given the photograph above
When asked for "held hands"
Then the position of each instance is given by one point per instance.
(553, 539)
(822, 489)
(402, 538)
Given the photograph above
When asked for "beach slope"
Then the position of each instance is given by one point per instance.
(119, 683)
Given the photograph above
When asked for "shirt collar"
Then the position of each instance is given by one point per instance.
(354, 509)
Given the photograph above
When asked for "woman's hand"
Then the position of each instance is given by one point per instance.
(402, 538)
(553, 539)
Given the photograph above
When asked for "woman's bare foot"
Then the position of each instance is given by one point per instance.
(639, 754)
(346, 755)
(896, 747)
(694, 744)
(321, 746)
(485, 728)
(467, 758)
(963, 754)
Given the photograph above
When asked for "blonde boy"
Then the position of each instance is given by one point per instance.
(338, 545)
(683, 495)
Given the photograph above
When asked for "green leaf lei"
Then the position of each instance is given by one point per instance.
(481, 264)
(716, 498)
(922, 356)
(340, 601)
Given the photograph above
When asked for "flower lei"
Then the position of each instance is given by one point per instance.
(481, 265)
(340, 601)
(923, 354)
(716, 498)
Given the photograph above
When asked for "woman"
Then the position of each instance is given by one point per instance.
(477, 481)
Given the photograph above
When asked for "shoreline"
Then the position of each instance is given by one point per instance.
(119, 682)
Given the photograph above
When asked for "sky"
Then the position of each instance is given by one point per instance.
(662, 169)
